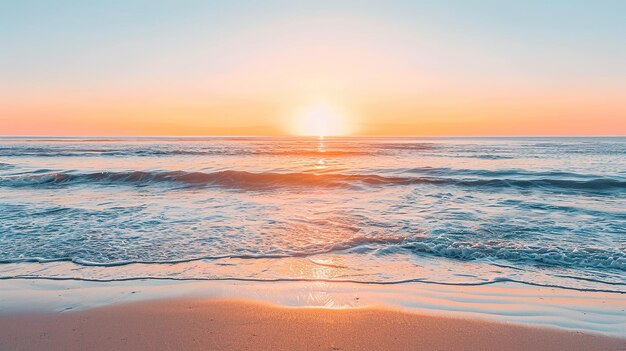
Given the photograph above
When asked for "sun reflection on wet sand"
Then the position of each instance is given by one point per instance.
(319, 290)
(509, 302)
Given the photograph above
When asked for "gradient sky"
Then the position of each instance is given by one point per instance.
(112, 67)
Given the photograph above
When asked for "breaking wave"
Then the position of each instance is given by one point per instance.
(267, 180)
(511, 252)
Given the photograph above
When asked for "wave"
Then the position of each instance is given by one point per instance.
(498, 253)
(355, 241)
(268, 180)
(500, 173)
(488, 157)
(215, 151)
(510, 252)
(406, 146)
(229, 179)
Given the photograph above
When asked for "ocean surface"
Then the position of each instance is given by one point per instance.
(466, 211)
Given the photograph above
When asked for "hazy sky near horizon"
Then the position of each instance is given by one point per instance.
(247, 67)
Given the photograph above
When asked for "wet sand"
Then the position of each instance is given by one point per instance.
(213, 324)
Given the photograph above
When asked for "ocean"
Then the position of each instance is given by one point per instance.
(453, 211)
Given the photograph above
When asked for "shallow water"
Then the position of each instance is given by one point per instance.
(469, 211)
(516, 303)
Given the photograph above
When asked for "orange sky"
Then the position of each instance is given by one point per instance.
(421, 116)
(395, 69)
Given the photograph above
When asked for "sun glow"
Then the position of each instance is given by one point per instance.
(320, 120)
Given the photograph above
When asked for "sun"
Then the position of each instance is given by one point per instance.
(320, 119)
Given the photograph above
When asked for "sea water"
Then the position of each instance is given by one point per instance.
(455, 211)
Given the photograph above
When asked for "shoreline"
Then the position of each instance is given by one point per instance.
(197, 324)
(514, 303)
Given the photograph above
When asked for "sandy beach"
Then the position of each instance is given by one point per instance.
(215, 324)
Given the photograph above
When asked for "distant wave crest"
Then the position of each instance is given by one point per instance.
(140, 152)
(267, 180)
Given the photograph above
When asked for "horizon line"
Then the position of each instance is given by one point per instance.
(310, 136)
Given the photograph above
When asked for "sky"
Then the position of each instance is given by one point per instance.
(422, 68)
